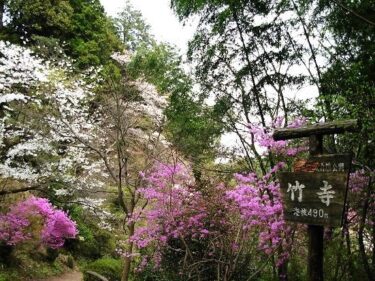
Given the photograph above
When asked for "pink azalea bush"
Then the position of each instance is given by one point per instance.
(225, 221)
(258, 198)
(258, 202)
(17, 225)
(175, 209)
(358, 181)
(223, 218)
(358, 184)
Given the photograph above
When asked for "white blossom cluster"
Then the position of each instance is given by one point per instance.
(62, 114)
(18, 66)
(153, 103)
(122, 58)
(19, 71)
(59, 135)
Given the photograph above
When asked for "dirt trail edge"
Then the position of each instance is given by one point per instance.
(69, 276)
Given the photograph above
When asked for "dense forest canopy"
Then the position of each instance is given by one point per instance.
(112, 155)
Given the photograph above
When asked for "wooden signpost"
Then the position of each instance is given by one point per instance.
(315, 193)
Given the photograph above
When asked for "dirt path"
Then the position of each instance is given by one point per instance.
(69, 276)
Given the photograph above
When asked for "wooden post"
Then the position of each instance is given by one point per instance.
(315, 232)
(315, 133)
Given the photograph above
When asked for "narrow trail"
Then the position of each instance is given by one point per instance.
(69, 276)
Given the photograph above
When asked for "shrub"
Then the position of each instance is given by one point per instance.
(70, 262)
(94, 242)
(108, 267)
(5, 253)
(36, 219)
(51, 254)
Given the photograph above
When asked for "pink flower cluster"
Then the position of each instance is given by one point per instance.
(263, 137)
(19, 223)
(175, 209)
(259, 203)
(358, 184)
(358, 181)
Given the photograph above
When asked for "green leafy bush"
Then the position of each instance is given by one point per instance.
(70, 262)
(94, 245)
(5, 253)
(93, 242)
(51, 254)
(108, 267)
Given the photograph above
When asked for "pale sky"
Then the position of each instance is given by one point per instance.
(158, 14)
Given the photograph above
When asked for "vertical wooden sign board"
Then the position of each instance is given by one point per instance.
(315, 193)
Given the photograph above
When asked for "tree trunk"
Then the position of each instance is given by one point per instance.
(128, 259)
(2, 8)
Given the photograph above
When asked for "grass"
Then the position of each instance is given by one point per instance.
(25, 266)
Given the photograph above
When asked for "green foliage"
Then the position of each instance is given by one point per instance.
(193, 127)
(349, 82)
(26, 264)
(5, 254)
(132, 28)
(70, 262)
(186, 8)
(161, 66)
(8, 275)
(79, 27)
(52, 254)
(340, 264)
(149, 274)
(94, 242)
(41, 17)
(48, 47)
(93, 39)
(351, 94)
(108, 267)
(297, 270)
(242, 61)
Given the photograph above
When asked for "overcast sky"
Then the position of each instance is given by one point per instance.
(157, 13)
